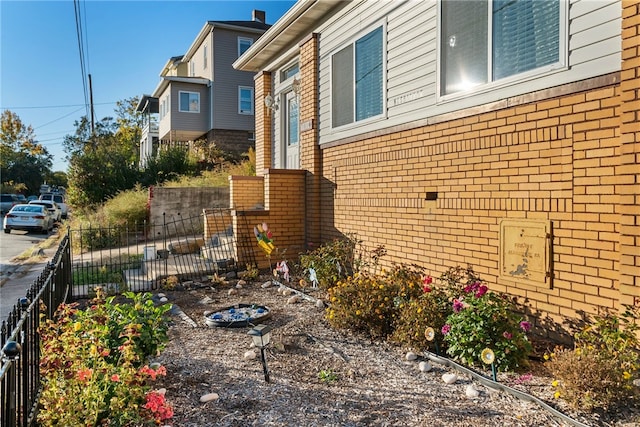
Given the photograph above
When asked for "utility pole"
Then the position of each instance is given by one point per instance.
(91, 101)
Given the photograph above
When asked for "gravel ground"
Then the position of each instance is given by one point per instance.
(366, 383)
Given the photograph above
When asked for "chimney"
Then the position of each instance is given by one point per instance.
(259, 15)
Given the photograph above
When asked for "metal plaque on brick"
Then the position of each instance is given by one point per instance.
(525, 247)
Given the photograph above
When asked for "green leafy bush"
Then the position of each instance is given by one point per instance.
(332, 261)
(483, 319)
(599, 371)
(93, 364)
(431, 309)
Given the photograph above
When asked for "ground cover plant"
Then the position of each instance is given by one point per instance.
(94, 363)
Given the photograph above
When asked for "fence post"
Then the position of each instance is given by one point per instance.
(10, 353)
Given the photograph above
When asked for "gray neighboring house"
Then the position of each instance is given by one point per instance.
(201, 96)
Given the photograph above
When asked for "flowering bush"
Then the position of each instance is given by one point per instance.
(599, 371)
(370, 303)
(92, 364)
(431, 308)
(482, 319)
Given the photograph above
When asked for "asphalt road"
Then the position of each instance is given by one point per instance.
(15, 277)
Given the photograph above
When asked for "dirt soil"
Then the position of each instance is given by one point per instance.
(323, 377)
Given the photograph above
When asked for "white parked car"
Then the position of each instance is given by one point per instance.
(28, 217)
(54, 209)
(59, 199)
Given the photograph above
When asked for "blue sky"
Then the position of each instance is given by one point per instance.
(126, 45)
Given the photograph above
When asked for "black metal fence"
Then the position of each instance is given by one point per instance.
(20, 342)
(139, 257)
(133, 258)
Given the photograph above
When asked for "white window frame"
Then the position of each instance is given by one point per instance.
(192, 65)
(252, 98)
(180, 93)
(244, 39)
(352, 42)
(491, 85)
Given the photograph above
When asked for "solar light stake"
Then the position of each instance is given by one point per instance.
(489, 358)
(261, 336)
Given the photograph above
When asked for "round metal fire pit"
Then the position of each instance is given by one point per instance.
(238, 316)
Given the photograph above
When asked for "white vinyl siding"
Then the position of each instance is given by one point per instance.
(245, 100)
(357, 72)
(189, 102)
(590, 45)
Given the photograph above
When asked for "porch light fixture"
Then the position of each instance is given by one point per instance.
(261, 336)
(295, 86)
(270, 102)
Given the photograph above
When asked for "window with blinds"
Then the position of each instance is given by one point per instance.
(357, 80)
(485, 41)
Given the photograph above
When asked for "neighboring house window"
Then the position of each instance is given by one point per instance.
(205, 56)
(290, 71)
(357, 80)
(516, 37)
(189, 102)
(252, 136)
(193, 68)
(244, 43)
(245, 100)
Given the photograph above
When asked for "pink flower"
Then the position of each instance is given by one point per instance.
(457, 306)
(426, 281)
(446, 329)
(481, 291)
(525, 326)
(507, 335)
(115, 378)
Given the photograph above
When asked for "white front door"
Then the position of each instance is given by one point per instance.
(291, 143)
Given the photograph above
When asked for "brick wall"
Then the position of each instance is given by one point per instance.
(235, 142)
(553, 159)
(284, 213)
(247, 192)
(264, 129)
(628, 171)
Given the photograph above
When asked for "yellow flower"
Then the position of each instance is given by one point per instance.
(546, 356)
(357, 312)
(77, 326)
(554, 383)
(578, 351)
(626, 375)
(556, 395)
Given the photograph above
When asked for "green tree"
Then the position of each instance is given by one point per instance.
(104, 161)
(24, 163)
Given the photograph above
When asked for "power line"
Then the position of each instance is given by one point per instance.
(76, 7)
(55, 106)
(59, 118)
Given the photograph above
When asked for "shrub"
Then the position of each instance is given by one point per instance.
(332, 261)
(599, 371)
(483, 319)
(369, 303)
(431, 308)
(93, 364)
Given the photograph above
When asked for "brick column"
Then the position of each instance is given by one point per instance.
(310, 155)
(263, 123)
(628, 172)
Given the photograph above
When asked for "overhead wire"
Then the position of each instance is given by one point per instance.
(79, 35)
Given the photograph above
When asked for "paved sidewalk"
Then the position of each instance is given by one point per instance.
(17, 278)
